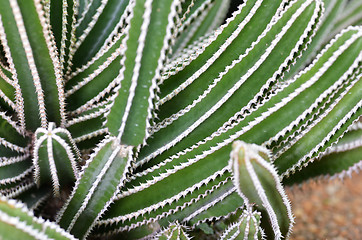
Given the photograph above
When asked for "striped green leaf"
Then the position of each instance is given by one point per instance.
(351, 15)
(99, 183)
(62, 16)
(149, 32)
(98, 22)
(17, 222)
(199, 18)
(174, 232)
(258, 182)
(199, 164)
(153, 94)
(236, 79)
(55, 157)
(247, 227)
(338, 161)
(15, 160)
(333, 10)
(33, 63)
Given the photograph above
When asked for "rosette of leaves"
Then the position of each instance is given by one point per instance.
(135, 104)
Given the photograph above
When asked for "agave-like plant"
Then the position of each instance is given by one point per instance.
(161, 119)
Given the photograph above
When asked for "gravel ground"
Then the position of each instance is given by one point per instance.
(328, 210)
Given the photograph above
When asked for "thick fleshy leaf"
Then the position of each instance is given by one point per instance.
(340, 160)
(33, 63)
(258, 182)
(150, 28)
(99, 20)
(161, 190)
(62, 16)
(248, 227)
(234, 74)
(17, 222)
(199, 18)
(100, 181)
(351, 15)
(15, 162)
(174, 232)
(333, 10)
(55, 157)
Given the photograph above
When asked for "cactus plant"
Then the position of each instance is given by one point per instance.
(158, 119)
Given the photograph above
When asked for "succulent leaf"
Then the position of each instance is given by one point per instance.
(56, 157)
(258, 182)
(213, 101)
(100, 20)
(62, 16)
(333, 8)
(33, 62)
(174, 232)
(99, 183)
(247, 227)
(17, 222)
(142, 62)
(199, 18)
(351, 16)
(340, 160)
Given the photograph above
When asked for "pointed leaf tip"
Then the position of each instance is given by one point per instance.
(247, 227)
(257, 181)
(175, 231)
(56, 157)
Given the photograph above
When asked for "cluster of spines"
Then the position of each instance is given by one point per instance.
(47, 143)
(247, 227)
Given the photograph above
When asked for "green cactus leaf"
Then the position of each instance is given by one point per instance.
(339, 160)
(33, 63)
(247, 227)
(131, 210)
(16, 168)
(333, 10)
(36, 197)
(258, 182)
(199, 18)
(62, 16)
(99, 20)
(88, 125)
(15, 163)
(174, 232)
(95, 80)
(7, 91)
(82, 6)
(56, 157)
(17, 222)
(137, 103)
(221, 208)
(143, 59)
(329, 83)
(97, 186)
(11, 135)
(351, 15)
(14, 189)
(210, 106)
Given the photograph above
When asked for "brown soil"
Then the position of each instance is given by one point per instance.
(328, 209)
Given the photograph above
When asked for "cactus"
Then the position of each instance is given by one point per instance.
(156, 119)
(173, 232)
(257, 181)
(17, 222)
(247, 227)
